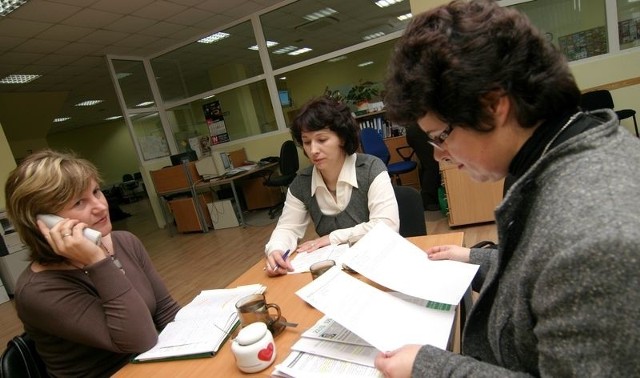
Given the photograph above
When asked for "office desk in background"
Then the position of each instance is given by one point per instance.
(280, 290)
(185, 180)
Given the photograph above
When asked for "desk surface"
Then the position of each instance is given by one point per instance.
(280, 290)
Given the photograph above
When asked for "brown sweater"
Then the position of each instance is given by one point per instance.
(91, 324)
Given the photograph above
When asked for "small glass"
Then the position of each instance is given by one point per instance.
(317, 269)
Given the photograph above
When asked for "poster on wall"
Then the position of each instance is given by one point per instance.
(201, 145)
(153, 147)
(215, 121)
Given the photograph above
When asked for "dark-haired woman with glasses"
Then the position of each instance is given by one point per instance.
(559, 296)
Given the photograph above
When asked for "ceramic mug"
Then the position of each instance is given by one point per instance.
(319, 268)
(254, 308)
(254, 348)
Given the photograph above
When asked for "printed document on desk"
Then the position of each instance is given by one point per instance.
(383, 256)
(299, 364)
(380, 318)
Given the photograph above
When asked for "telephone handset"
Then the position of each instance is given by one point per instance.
(51, 220)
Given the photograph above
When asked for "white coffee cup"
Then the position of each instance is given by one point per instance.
(254, 348)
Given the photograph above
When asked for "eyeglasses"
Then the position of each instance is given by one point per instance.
(437, 141)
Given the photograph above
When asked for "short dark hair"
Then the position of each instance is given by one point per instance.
(327, 113)
(456, 59)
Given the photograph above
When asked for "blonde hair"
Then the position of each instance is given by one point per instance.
(43, 183)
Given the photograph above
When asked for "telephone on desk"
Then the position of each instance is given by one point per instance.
(269, 159)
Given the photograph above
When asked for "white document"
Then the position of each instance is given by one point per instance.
(383, 256)
(303, 260)
(329, 330)
(306, 365)
(358, 354)
(381, 319)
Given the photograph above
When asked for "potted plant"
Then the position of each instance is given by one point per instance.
(361, 93)
(336, 94)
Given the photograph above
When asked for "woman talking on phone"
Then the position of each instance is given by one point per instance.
(89, 307)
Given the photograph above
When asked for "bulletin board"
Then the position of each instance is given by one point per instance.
(629, 30)
(584, 44)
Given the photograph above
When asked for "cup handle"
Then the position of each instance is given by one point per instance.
(273, 305)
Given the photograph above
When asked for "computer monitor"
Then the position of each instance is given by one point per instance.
(226, 162)
(188, 156)
(285, 99)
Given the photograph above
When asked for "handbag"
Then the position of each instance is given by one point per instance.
(21, 359)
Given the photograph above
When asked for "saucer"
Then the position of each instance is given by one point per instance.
(276, 328)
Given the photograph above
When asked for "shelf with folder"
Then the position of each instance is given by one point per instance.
(377, 120)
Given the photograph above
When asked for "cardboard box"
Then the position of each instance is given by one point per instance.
(223, 214)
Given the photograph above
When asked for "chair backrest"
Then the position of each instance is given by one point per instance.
(373, 144)
(412, 222)
(289, 163)
(21, 359)
(127, 177)
(595, 100)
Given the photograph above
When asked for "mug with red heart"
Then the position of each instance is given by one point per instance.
(254, 348)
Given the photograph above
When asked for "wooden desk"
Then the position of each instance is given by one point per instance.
(280, 290)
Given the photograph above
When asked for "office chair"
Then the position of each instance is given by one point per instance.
(129, 186)
(21, 359)
(373, 144)
(289, 165)
(410, 209)
(602, 99)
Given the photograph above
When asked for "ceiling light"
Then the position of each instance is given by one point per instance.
(363, 64)
(18, 79)
(386, 3)
(282, 78)
(373, 36)
(337, 59)
(208, 97)
(61, 119)
(215, 37)
(122, 75)
(405, 17)
(285, 50)
(269, 44)
(8, 6)
(144, 103)
(300, 51)
(112, 118)
(89, 102)
(320, 14)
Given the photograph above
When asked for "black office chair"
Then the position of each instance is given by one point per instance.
(21, 359)
(373, 144)
(289, 165)
(601, 99)
(129, 186)
(412, 222)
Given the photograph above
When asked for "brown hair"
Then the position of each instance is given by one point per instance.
(42, 184)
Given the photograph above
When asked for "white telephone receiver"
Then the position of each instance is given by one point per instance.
(51, 220)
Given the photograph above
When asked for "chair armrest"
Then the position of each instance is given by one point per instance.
(405, 158)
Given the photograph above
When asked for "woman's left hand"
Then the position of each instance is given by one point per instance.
(312, 245)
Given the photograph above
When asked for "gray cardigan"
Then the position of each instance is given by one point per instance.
(561, 295)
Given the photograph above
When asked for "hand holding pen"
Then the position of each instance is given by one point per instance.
(277, 263)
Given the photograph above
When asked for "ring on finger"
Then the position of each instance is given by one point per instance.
(65, 235)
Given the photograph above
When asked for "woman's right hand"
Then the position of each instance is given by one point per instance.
(67, 240)
(449, 252)
(276, 265)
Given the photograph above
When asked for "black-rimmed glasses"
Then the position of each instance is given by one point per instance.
(437, 141)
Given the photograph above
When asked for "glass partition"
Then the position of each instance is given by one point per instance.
(307, 29)
(628, 23)
(201, 66)
(133, 82)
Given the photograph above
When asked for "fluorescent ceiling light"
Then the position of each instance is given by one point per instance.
(61, 119)
(363, 64)
(285, 50)
(208, 97)
(8, 6)
(283, 78)
(320, 14)
(386, 3)
(337, 59)
(215, 37)
(112, 118)
(122, 75)
(300, 51)
(18, 79)
(89, 102)
(405, 17)
(269, 44)
(144, 103)
(373, 36)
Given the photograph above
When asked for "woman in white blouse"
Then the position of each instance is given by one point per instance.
(344, 193)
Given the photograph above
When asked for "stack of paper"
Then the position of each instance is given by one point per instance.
(200, 327)
(420, 310)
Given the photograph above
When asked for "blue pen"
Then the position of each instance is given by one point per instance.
(284, 257)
